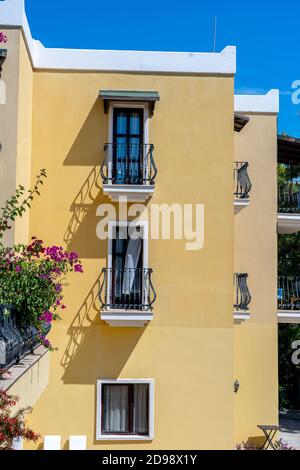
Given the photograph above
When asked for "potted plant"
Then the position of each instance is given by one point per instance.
(32, 279)
(32, 276)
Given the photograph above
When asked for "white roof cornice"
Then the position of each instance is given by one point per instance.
(258, 104)
(12, 14)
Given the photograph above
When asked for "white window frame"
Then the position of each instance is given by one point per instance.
(130, 437)
(143, 224)
(128, 105)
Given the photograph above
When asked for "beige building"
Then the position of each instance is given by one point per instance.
(184, 356)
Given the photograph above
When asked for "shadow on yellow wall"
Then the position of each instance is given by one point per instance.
(80, 234)
(87, 150)
(88, 147)
(94, 349)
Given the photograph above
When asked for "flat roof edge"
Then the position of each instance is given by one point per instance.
(258, 104)
(12, 14)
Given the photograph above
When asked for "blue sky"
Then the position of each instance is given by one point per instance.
(267, 35)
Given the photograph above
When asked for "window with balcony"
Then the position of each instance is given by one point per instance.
(242, 297)
(288, 296)
(125, 409)
(288, 299)
(128, 167)
(289, 197)
(127, 293)
(242, 185)
(128, 150)
(288, 185)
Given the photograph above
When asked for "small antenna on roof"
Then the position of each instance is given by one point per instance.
(215, 33)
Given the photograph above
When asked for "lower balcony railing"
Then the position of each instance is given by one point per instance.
(288, 296)
(128, 164)
(242, 183)
(15, 341)
(242, 294)
(289, 198)
(127, 289)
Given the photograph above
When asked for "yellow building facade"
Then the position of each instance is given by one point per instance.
(58, 114)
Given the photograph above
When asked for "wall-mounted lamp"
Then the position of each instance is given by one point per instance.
(236, 386)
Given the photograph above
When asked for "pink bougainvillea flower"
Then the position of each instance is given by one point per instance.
(46, 317)
(73, 256)
(45, 268)
(44, 341)
(3, 37)
(47, 343)
(78, 268)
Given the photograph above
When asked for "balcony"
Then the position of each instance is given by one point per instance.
(242, 298)
(289, 207)
(23, 357)
(127, 296)
(3, 55)
(242, 186)
(128, 170)
(288, 299)
(16, 342)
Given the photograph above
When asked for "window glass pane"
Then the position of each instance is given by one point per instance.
(121, 146)
(120, 156)
(140, 409)
(134, 148)
(134, 123)
(121, 123)
(132, 278)
(134, 159)
(119, 250)
(115, 409)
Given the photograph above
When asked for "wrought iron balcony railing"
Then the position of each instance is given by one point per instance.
(128, 164)
(288, 294)
(289, 198)
(127, 289)
(15, 341)
(242, 294)
(242, 183)
(3, 55)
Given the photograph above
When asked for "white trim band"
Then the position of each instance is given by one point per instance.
(268, 103)
(288, 316)
(12, 14)
(288, 223)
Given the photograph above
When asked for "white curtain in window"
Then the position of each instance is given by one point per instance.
(140, 412)
(131, 261)
(115, 408)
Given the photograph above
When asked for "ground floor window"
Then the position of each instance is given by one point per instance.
(125, 409)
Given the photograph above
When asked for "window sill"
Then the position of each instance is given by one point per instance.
(241, 316)
(113, 437)
(240, 204)
(133, 192)
(126, 318)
